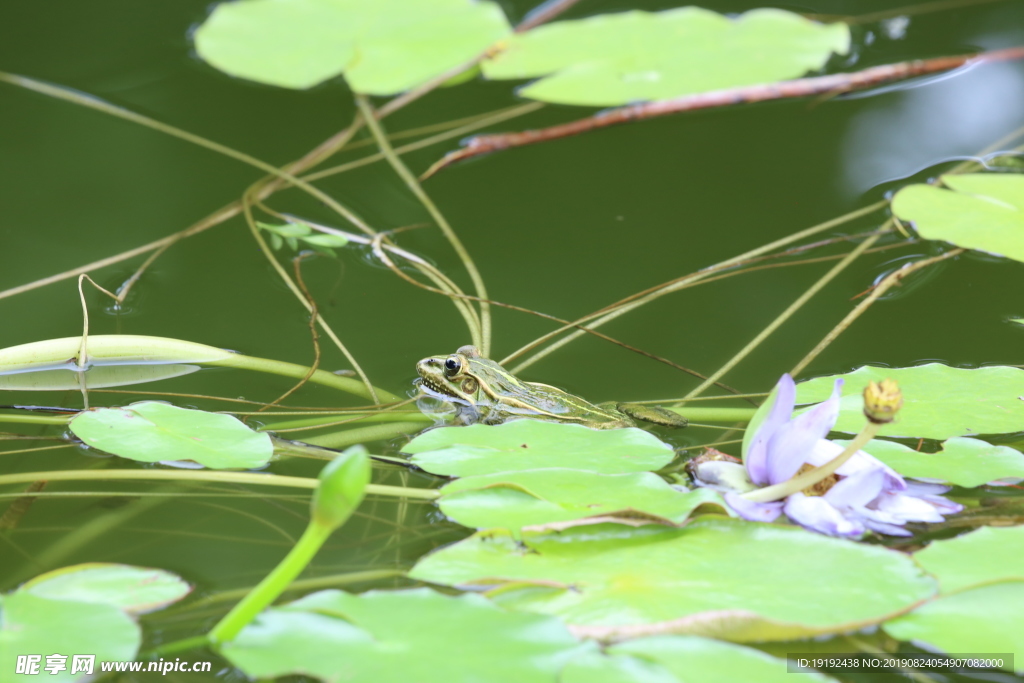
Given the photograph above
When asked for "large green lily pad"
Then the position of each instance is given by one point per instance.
(988, 555)
(983, 621)
(401, 636)
(381, 46)
(983, 211)
(152, 432)
(134, 589)
(938, 401)
(681, 659)
(723, 578)
(533, 497)
(613, 59)
(32, 624)
(962, 461)
(533, 444)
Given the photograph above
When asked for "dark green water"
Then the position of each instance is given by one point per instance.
(564, 228)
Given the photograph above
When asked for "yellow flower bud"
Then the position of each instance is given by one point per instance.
(882, 400)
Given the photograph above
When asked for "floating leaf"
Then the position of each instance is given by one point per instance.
(134, 589)
(983, 211)
(401, 636)
(32, 624)
(719, 577)
(938, 401)
(382, 46)
(962, 461)
(106, 349)
(633, 56)
(152, 432)
(67, 376)
(986, 620)
(988, 555)
(533, 497)
(534, 444)
(681, 659)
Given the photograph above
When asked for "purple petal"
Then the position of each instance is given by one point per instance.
(858, 490)
(883, 528)
(754, 512)
(825, 450)
(756, 457)
(792, 443)
(906, 508)
(815, 513)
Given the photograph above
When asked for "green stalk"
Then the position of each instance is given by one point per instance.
(341, 487)
(273, 585)
(349, 437)
(203, 475)
(812, 477)
(296, 371)
(414, 185)
(34, 419)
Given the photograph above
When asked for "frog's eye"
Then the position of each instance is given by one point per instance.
(452, 365)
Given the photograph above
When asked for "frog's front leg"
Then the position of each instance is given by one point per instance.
(653, 414)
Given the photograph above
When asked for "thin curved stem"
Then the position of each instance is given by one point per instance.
(785, 315)
(610, 313)
(205, 475)
(414, 186)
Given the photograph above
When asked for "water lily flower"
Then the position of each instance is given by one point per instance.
(863, 494)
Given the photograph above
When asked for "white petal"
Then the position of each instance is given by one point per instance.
(816, 514)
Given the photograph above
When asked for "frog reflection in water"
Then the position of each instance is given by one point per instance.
(483, 391)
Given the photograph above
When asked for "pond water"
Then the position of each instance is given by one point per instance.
(564, 228)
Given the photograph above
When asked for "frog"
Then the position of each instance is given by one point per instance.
(484, 392)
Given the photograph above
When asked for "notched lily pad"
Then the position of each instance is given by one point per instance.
(682, 659)
(939, 402)
(962, 461)
(542, 497)
(152, 432)
(401, 636)
(381, 46)
(985, 621)
(136, 590)
(533, 444)
(983, 211)
(721, 578)
(988, 555)
(613, 59)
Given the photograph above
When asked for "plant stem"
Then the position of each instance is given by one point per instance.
(414, 186)
(329, 379)
(28, 418)
(348, 437)
(802, 481)
(203, 475)
(273, 585)
(785, 315)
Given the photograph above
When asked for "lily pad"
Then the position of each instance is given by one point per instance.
(533, 497)
(533, 444)
(962, 461)
(152, 432)
(381, 46)
(401, 636)
(938, 401)
(985, 556)
(682, 659)
(721, 578)
(134, 589)
(33, 624)
(983, 211)
(983, 621)
(613, 59)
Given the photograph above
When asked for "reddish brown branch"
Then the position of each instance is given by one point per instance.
(802, 87)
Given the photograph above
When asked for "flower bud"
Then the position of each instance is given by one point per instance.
(882, 400)
(342, 487)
